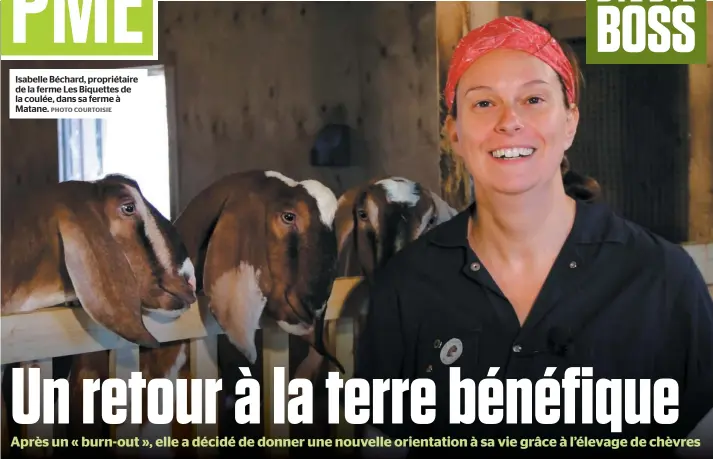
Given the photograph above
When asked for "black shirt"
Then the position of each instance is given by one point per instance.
(619, 299)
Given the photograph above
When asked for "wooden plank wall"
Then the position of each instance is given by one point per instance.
(368, 65)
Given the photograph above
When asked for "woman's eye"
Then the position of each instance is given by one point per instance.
(482, 104)
(534, 100)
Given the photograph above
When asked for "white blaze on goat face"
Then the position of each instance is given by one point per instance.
(188, 271)
(282, 177)
(325, 198)
(400, 190)
(240, 287)
(425, 219)
(153, 234)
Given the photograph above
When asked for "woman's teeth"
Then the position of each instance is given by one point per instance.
(512, 153)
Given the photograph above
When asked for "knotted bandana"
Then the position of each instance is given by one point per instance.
(508, 32)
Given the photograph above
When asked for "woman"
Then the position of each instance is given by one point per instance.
(529, 278)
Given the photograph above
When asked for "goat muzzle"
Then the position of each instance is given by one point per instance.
(180, 288)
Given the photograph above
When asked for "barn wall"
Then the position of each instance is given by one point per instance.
(28, 149)
(255, 82)
(398, 88)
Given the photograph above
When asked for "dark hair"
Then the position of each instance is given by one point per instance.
(576, 185)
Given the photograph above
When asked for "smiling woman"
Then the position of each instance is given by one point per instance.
(529, 277)
(525, 121)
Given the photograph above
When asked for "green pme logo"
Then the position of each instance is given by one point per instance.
(79, 29)
(646, 32)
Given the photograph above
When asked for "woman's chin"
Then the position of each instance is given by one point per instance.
(513, 187)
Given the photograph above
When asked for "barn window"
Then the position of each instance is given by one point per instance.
(137, 146)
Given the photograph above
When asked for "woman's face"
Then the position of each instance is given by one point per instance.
(512, 126)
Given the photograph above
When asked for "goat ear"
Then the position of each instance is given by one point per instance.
(101, 275)
(444, 212)
(365, 243)
(195, 226)
(344, 225)
(236, 274)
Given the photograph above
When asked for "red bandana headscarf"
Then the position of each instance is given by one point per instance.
(508, 32)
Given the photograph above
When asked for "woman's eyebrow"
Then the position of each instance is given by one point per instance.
(533, 82)
(476, 88)
(481, 87)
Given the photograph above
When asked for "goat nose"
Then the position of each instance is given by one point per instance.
(181, 288)
(191, 279)
(190, 293)
(190, 297)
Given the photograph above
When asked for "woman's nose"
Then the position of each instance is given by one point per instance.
(509, 121)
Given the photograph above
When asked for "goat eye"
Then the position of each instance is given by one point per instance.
(288, 217)
(361, 213)
(432, 220)
(128, 209)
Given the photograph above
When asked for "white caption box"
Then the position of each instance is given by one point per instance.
(83, 93)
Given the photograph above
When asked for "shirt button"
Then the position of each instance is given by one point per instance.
(437, 344)
(475, 266)
(572, 264)
(516, 348)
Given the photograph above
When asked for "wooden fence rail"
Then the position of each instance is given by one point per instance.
(55, 332)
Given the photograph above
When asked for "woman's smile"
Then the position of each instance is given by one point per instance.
(513, 154)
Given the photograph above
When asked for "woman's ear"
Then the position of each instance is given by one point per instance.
(571, 126)
(452, 134)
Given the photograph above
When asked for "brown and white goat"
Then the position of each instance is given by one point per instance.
(264, 246)
(263, 243)
(373, 222)
(99, 244)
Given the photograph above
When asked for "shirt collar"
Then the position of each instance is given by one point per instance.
(594, 223)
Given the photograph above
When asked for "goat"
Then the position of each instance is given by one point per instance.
(99, 244)
(374, 221)
(264, 247)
